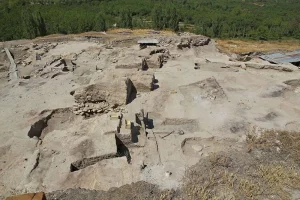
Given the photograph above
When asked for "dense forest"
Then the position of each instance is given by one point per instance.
(251, 19)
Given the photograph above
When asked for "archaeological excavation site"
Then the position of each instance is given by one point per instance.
(156, 115)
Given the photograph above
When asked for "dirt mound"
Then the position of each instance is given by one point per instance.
(139, 190)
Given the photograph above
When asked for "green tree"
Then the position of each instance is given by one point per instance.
(41, 26)
(218, 18)
(29, 24)
(157, 17)
(125, 19)
(174, 20)
(100, 23)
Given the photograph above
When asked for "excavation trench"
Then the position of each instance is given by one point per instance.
(50, 120)
(122, 151)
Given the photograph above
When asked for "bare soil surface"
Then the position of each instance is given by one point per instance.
(213, 127)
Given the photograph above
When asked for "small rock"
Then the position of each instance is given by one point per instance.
(35, 138)
(297, 90)
(40, 142)
(224, 67)
(197, 148)
(142, 165)
(278, 149)
(25, 48)
(38, 57)
(168, 173)
(243, 66)
(181, 132)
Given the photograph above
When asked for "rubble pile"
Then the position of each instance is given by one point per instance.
(156, 58)
(193, 41)
(39, 50)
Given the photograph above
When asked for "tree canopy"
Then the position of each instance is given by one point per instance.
(251, 19)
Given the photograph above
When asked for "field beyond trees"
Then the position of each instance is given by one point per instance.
(244, 46)
(248, 19)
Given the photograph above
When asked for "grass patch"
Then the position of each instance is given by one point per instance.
(284, 143)
(139, 31)
(267, 169)
(243, 46)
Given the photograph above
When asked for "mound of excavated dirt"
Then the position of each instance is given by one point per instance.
(139, 190)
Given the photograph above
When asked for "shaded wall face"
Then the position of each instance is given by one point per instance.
(296, 63)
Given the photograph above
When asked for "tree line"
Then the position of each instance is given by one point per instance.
(250, 19)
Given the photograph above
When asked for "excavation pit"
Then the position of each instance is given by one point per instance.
(50, 120)
(122, 151)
